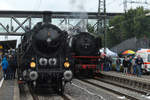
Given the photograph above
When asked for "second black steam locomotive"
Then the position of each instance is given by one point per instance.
(43, 57)
(85, 50)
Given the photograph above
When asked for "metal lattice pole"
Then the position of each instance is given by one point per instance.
(101, 24)
(125, 5)
(100, 19)
(105, 29)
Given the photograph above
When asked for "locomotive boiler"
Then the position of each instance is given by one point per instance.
(85, 44)
(85, 49)
(43, 57)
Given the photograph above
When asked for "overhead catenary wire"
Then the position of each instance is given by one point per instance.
(109, 3)
(143, 3)
(37, 4)
(40, 3)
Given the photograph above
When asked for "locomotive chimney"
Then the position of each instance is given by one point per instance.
(47, 17)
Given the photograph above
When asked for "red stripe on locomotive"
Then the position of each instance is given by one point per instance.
(85, 66)
(86, 56)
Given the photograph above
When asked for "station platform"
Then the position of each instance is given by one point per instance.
(9, 90)
(143, 78)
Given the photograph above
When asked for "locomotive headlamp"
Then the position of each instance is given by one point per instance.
(32, 64)
(43, 61)
(66, 64)
(52, 61)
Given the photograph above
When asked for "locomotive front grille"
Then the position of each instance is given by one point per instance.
(47, 74)
(50, 71)
(48, 68)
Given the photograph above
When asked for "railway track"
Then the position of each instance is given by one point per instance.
(132, 94)
(144, 92)
(50, 97)
(29, 94)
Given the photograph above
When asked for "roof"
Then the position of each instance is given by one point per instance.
(143, 50)
(8, 44)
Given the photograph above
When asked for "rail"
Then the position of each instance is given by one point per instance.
(140, 83)
(111, 90)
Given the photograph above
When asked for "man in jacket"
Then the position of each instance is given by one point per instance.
(12, 66)
(4, 65)
(139, 62)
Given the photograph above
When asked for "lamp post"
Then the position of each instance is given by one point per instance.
(105, 30)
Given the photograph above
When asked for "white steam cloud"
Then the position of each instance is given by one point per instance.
(79, 6)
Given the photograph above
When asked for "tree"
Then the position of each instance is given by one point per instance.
(133, 23)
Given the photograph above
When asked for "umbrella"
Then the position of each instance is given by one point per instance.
(128, 52)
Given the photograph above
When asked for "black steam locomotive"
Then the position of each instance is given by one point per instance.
(85, 48)
(43, 57)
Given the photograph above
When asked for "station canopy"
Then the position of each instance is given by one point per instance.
(8, 44)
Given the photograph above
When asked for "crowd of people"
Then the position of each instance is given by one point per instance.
(9, 65)
(105, 63)
(131, 65)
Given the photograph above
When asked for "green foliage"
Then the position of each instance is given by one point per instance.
(90, 28)
(133, 23)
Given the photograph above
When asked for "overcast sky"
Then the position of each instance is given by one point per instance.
(60, 5)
